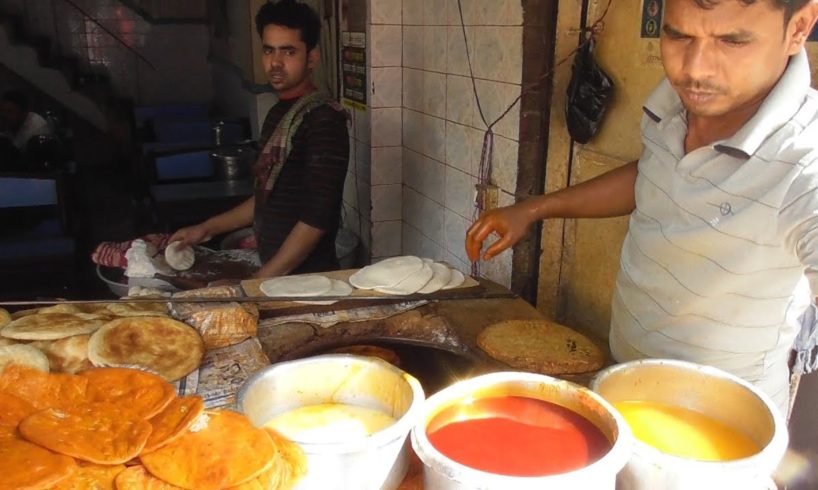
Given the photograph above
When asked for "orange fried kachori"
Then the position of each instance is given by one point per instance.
(91, 477)
(227, 452)
(144, 393)
(13, 410)
(250, 485)
(24, 465)
(43, 390)
(138, 478)
(173, 421)
(100, 433)
(291, 462)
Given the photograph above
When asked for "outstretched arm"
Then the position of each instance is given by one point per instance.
(610, 194)
(238, 217)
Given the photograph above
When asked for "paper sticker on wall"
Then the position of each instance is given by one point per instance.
(651, 18)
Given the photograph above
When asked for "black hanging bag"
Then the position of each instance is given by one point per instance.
(589, 93)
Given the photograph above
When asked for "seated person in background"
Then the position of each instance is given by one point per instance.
(300, 172)
(18, 125)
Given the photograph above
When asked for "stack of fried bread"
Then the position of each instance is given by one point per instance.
(70, 338)
(125, 429)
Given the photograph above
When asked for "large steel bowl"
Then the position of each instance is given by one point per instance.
(378, 461)
(709, 391)
(443, 473)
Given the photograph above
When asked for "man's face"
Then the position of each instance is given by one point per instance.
(286, 60)
(726, 58)
(11, 117)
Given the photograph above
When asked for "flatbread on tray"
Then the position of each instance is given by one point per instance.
(67, 355)
(49, 326)
(161, 345)
(540, 346)
(24, 355)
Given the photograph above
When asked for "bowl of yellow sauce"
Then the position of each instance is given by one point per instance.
(350, 414)
(695, 427)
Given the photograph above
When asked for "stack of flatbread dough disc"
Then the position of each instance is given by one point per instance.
(308, 286)
(70, 338)
(407, 274)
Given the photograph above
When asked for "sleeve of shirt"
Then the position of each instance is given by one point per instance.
(799, 220)
(326, 161)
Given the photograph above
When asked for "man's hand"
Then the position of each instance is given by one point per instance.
(510, 223)
(192, 235)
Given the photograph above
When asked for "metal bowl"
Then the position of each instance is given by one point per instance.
(378, 461)
(709, 391)
(441, 472)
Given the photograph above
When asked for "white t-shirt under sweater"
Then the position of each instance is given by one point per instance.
(721, 257)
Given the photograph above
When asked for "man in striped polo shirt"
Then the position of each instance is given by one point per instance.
(304, 155)
(721, 258)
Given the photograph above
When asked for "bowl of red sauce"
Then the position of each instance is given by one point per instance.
(514, 430)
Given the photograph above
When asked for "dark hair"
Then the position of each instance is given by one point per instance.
(292, 14)
(789, 7)
(17, 98)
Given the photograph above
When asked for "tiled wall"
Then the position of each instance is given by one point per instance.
(181, 74)
(357, 213)
(418, 45)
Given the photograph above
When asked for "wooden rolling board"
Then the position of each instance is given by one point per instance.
(251, 288)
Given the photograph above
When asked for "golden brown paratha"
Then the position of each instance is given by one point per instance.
(162, 345)
(24, 355)
(49, 326)
(540, 346)
(143, 393)
(5, 341)
(100, 433)
(227, 452)
(67, 355)
(5, 318)
(158, 308)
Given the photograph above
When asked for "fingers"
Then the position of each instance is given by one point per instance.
(475, 237)
(177, 236)
(498, 247)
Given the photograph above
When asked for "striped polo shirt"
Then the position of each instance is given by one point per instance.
(721, 256)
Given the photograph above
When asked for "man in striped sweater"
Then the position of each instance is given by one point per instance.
(302, 166)
(720, 262)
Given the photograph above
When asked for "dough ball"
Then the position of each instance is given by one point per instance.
(180, 256)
